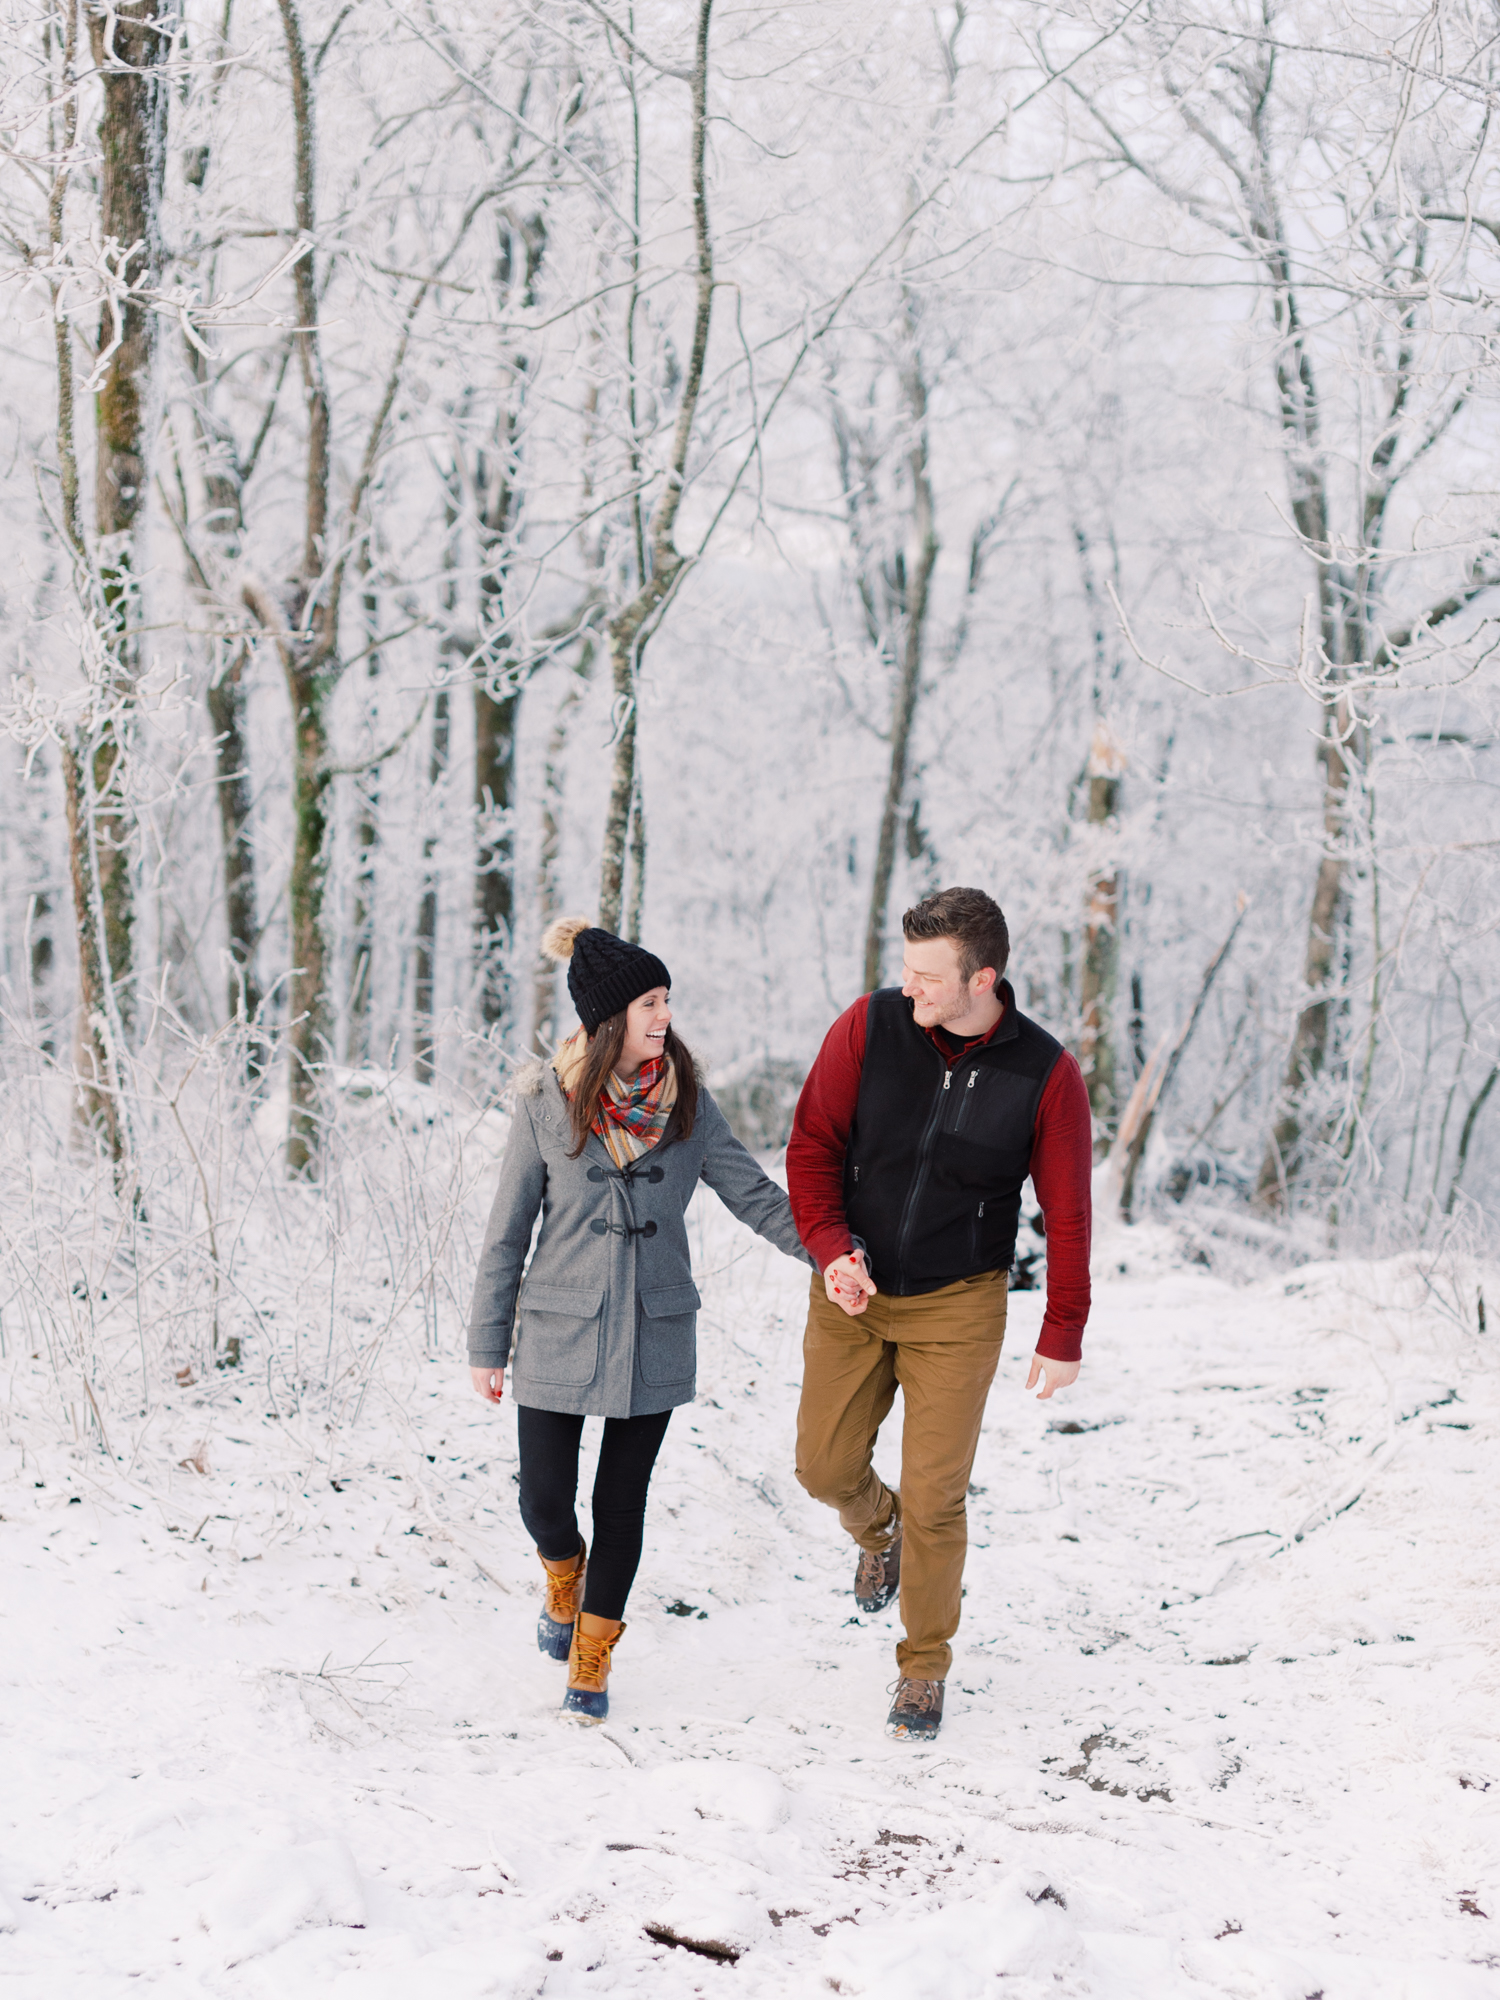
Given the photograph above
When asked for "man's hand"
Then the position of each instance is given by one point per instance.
(849, 1283)
(1056, 1374)
(488, 1382)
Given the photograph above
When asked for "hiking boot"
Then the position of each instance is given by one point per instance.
(917, 1712)
(594, 1640)
(554, 1629)
(877, 1575)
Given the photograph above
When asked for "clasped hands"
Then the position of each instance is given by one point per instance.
(849, 1286)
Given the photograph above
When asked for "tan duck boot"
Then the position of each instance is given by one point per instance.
(594, 1641)
(554, 1629)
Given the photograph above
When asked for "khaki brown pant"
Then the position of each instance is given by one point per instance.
(940, 1350)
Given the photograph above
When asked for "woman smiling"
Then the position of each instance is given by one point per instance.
(608, 1142)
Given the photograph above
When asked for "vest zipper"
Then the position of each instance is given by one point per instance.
(924, 1159)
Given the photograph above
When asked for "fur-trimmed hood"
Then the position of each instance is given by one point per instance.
(529, 1078)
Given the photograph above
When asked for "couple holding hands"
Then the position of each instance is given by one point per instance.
(927, 1108)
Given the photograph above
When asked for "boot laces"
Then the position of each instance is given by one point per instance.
(591, 1659)
(918, 1697)
(562, 1593)
(871, 1571)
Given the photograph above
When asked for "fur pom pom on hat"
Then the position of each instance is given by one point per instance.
(605, 972)
(560, 937)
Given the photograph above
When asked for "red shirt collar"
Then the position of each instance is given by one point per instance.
(950, 1050)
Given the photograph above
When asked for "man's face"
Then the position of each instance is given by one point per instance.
(932, 980)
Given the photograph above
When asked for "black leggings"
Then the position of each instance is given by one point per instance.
(549, 1442)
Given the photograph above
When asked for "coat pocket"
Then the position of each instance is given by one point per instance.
(667, 1343)
(560, 1333)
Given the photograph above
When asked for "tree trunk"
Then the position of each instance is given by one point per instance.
(224, 478)
(544, 1024)
(1301, 427)
(127, 51)
(424, 979)
(226, 712)
(32, 785)
(127, 44)
(495, 720)
(622, 778)
(308, 647)
(497, 689)
(1311, 1036)
(636, 906)
(1099, 974)
(98, 1052)
(366, 845)
(308, 1023)
(1471, 1119)
(909, 682)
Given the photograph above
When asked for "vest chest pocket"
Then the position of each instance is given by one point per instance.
(967, 1101)
(992, 1109)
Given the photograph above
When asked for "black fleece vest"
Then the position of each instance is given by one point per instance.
(937, 1156)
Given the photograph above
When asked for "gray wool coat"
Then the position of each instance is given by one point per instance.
(603, 1319)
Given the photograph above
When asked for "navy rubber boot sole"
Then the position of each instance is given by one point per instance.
(585, 1705)
(553, 1639)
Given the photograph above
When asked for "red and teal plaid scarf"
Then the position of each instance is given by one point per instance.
(631, 1116)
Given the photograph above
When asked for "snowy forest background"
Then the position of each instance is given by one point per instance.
(731, 471)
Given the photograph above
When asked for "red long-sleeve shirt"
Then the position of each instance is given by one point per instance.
(1062, 1159)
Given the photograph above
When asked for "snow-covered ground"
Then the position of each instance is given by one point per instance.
(278, 1726)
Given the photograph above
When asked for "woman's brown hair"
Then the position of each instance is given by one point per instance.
(604, 1049)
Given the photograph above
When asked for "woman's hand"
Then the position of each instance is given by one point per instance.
(849, 1284)
(488, 1382)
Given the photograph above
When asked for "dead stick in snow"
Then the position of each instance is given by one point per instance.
(88, 1390)
(1135, 1145)
(1329, 1510)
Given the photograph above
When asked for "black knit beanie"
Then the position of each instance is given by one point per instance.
(605, 972)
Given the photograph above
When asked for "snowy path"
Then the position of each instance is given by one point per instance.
(269, 1735)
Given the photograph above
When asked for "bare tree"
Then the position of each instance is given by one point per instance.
(127, 45)
(424, 970)
(212, 557)
(890, 516)
(304, 622)
(128, 42)
(1103, 774)
(544, 1027)
(661, 564)
(909, 592)
(362, 926)
(500, 666)
(1226, 93)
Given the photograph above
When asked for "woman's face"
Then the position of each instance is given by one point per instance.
(646, 1024)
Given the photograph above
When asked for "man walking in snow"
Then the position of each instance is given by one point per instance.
(928, 1106)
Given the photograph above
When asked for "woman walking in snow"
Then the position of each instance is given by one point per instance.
(609, 1141)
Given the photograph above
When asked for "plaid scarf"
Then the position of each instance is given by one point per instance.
(631, 1116)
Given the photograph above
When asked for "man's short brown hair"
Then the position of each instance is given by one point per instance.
(974, 921)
